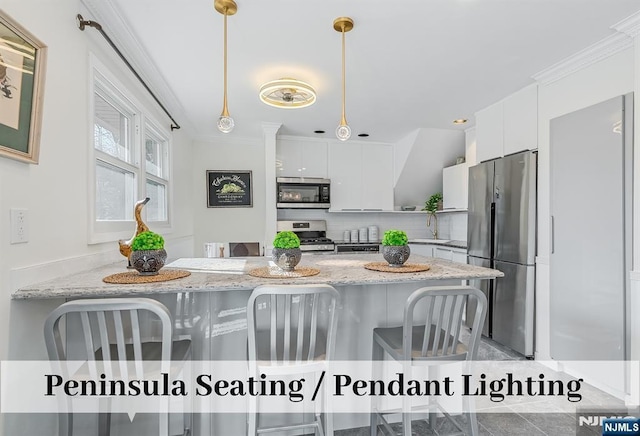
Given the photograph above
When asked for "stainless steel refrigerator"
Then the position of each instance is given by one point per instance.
(501, 234)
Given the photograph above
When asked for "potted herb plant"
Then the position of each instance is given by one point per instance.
(147, 253)
(286, 251)
(394, 247)
(432, 205)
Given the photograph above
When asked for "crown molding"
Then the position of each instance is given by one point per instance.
(629, 26)
(119, 30)
(584, 58)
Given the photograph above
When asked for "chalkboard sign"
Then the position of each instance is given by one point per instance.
(229, 189)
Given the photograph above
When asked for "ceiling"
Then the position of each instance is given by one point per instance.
(420, 63)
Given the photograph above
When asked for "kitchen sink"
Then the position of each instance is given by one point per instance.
(431, 241)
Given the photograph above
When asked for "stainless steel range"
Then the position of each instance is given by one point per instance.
(312, 234)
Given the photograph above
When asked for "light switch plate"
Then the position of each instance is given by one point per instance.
(19, 226)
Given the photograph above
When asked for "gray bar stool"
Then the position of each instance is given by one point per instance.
(111, 329)
(291, 327)
(435, 336)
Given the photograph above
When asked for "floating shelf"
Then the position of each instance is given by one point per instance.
(377, 211)
(452, 210)
(394, 211)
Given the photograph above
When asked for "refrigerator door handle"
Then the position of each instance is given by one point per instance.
(553, 236)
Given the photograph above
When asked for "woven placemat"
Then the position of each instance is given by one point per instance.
(406, 268)
(273, 272)
(132, 277)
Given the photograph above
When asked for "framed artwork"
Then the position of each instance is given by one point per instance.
(229, 189)
(22, 69)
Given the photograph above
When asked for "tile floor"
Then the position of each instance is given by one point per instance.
(513, 420)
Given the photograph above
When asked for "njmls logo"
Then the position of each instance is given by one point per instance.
(608, 422)
(628, 426)
(597, 420)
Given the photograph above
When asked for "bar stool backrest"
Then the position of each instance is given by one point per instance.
(292, 323)
(110, 329)
(440, 311)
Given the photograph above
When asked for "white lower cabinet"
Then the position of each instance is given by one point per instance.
(441, 252)
(459, 256)
(421, 249)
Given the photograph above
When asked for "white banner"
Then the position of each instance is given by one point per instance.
(345, 386)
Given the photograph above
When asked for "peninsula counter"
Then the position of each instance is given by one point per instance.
(229, 274)
(209, 306)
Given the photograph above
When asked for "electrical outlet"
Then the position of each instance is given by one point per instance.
(19, 226)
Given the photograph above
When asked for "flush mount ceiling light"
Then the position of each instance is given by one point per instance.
(287, 93)
(226, 8)
(459, 121)
(343, 25)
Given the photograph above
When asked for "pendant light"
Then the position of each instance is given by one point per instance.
(226, 8)
(343, 25)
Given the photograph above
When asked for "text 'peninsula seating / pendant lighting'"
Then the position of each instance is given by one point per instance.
(343, 25)
(226, 8)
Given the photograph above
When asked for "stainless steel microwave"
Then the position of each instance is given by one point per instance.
(303, 193)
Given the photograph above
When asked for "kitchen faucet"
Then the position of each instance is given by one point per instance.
(435, 224)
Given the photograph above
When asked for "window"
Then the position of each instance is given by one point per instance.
(156, 167)
(130, 161)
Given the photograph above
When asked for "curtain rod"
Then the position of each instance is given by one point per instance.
(82, 23)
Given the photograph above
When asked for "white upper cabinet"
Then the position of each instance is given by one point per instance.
(489, 133)
(455, 187)
(377, 177)
(300, 158)
(345, 172)
(361, 176)
(509, 126)
(521, 120)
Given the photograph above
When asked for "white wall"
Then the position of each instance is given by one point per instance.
(606, 79)
(421, 174)
(229, 224)
(56, 191)
(401, 150)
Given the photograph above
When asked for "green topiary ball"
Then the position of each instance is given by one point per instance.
(147, 241)
(286, 239)
(395, 238)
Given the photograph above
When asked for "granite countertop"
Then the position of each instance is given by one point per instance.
(444, 243)
(229, 274)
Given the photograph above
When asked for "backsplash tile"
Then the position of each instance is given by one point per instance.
(450, 225)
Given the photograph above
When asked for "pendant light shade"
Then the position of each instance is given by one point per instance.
(343, 25)
(226, 8)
